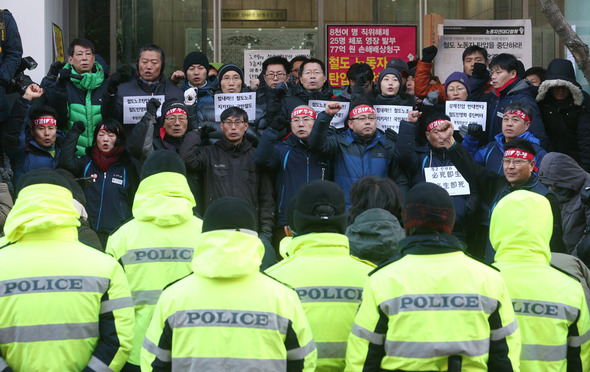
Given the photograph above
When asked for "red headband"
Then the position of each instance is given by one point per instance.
(521, 154)
(45, 121)
(175, 110)
(363, 109)
(303, 112)
(434, 124)
(518, 113)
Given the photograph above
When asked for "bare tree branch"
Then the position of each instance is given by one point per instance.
(566, 34)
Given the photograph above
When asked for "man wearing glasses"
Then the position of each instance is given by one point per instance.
(518, 165)
(312, 85)
(268, 96)
(228, 168)
(359, 151)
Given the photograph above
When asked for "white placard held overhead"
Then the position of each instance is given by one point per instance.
(467, 112)
(389, 116)
(512, 36)
(245, 101)
(448, 178)
(253, 60)
(134, 107)
(339, 119)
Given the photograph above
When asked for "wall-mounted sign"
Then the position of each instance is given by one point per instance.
(254, 14)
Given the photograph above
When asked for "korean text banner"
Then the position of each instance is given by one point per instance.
(371, 44)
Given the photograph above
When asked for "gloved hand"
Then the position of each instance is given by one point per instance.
(114, 81)
(429, 53)
(190, 96)
(64, 77)
(206, 129)
(279, 123)
(152, 106)
(78, 126)
(361, 79)
(281, 90)
(391, 135)
(55, 68)
(474, 129)
(480, 71)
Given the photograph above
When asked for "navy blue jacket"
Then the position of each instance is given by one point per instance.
(491, 155)
(24, 153)
(109, 200)
(416, 159)
(354, 159)
(294, 163)
(11, 53)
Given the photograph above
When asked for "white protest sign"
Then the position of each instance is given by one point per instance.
(448, 178)
(338, 119)
(134, 107)
(245, 101)
(467, 112)
(512, 36)
(389, 116)
(253, 60)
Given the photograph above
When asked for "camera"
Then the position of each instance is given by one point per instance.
(20, 81)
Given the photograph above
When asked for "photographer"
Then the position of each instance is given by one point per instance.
(10, 57)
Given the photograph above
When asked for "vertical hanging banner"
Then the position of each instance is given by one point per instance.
(512, 36)
(371, 44)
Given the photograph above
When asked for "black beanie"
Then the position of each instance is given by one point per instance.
(230, 67)
(320, 207)
(436, 115)
(229, 213)
(173, 103)
(428, 206)
(42, 175)
(196, 58)
(162, 161)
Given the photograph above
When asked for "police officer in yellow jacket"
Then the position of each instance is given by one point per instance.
(65, 306)
(434, 309)
(550, 305)
(227, 316)
(156, 247)
(328, 280)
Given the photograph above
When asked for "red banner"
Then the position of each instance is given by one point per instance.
(371, 44)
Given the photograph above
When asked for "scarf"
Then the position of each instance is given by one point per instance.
(105, 160)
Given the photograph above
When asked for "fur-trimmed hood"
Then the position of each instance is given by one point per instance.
(560, 73)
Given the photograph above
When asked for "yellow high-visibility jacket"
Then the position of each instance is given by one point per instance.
(156, 247)
(329, 282)
(433, 304)
(227, 316)
(65, 306)
(550, 306)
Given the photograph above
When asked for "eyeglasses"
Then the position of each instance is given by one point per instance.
(278, 75)
(296, 70)
(174, 119)
(314, 73)
(237, 124)
(363, 118)
(516, 162)
(305, 120)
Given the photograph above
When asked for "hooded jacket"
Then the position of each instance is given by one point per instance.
(433, 303)
(491, 155)
(67, 305)
(562, 171)
(79, 100)
(567, 121)
(374, 235)
(156, 247)
(227, 316)
(329, 283)
(550, 306)
(229, 170)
